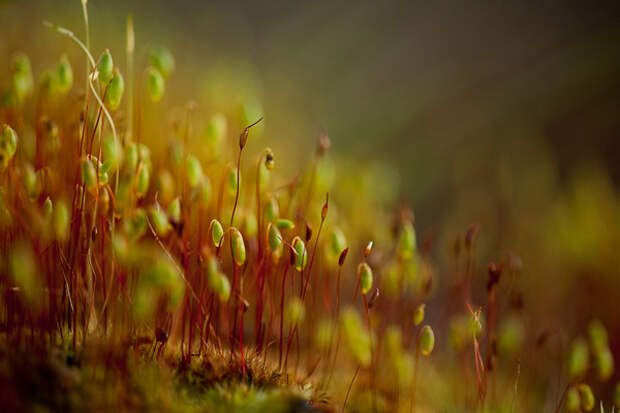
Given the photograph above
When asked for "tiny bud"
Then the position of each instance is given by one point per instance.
(418, 315)
(343, 256)
(105, 68)
(308, 232)
(427, 340)
(365, 273)
(586, 396)
(155, 84)
(217, 232)
(115, 91)
(368, 249)
(285, 224)
(238, 247)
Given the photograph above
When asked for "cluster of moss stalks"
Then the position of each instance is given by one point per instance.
(181, 281)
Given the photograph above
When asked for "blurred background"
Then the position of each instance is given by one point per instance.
(505, 114)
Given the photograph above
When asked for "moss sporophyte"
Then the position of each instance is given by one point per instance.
(135, 260)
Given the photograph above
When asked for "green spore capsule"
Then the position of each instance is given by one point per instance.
(272, 209)
(160, 221)
(218, 283)
(250, 224)
(165, 186)
(338, 241)
(105, 67)
(88, 173)
(137, 225)
(427, 340)
(31, 181)
(364, 273)
(159, 279)
(155, 84)
(407, 242)
(48, 208)
(131, 157)
(8, 142)
(231, 180)
(578, 359)
(418, 314)
(324, 333)
(60, 221)
(174, 210)
(194, 171)
(205, 190)
(64, 75)
(275, 238)
(586, 396)
(217, 232)
(393, 339)
(112, 152)
(285, 224)
(604, 363)
(573, 401)
(295, 311)
(23, 82)
(115, 91)
(270, 162)
(238, 247)
(356, 337)
(301, 258)
(597, 334)
(23, 270)
(161, 58)
(144, 178)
